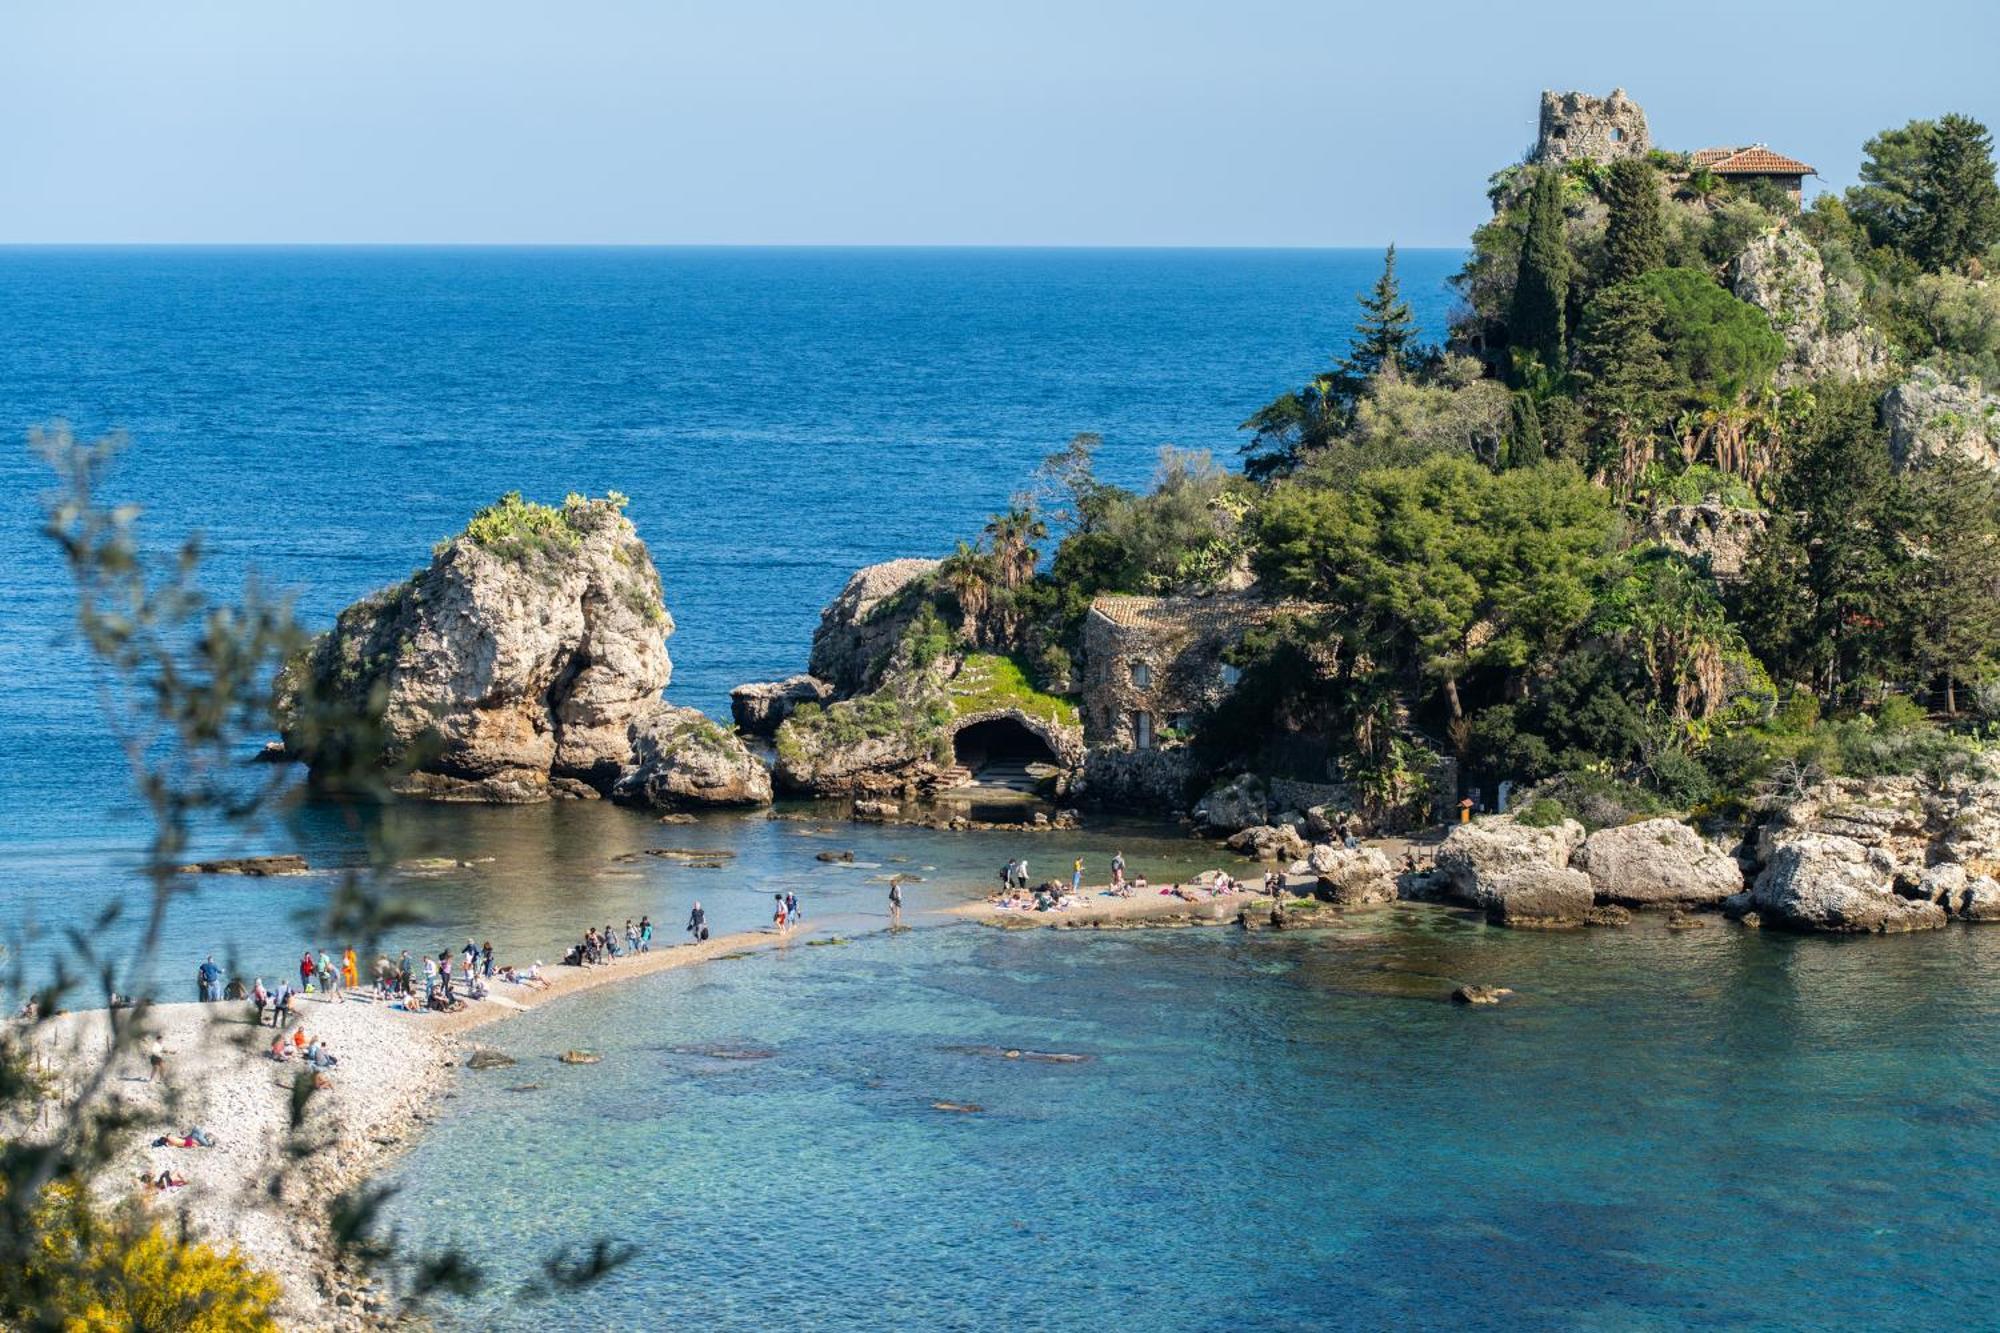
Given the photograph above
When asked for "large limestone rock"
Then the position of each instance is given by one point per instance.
(1719, 534)
(1538, 896)
(1351, 877)
(1269, 842)
(1963, 896)
(1932, 418)
(1781, 273)
(1657, 863)
(1240, 803)
(1894, 816)
(1476, 856)
(681, 758)
(760, 709)
(858, 628)
(1825, 882)
(519, 665)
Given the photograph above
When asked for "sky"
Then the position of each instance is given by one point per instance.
(1021, 122)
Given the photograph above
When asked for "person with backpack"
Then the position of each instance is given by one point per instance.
(698, 924)
(896, 902)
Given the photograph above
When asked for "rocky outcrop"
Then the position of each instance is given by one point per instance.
(1656, 863)
(1719, 535)
(760, 709)
(681, 758)
(1351, 877)
(1932, 418)
(257, 867)
(863, 624)
(1825, 882)
(524, 663)
(1781, 274)
(1963, 896)
(1476, 856)
(1269, 842)
(1538, 897)
(1240, 803)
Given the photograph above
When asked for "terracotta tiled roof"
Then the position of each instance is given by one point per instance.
(1756, 160)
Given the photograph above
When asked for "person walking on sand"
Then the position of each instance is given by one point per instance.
(895, 902)
(698, 923)
(1076, 876)
(778, 913)
(156, 1060)
(329, 979)
(631, 936)
(350, 971)
(1118, 870)
(1021, 873)
(792, 914)
(486, 958)
(645, 934)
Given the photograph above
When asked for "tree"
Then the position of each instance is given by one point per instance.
(1885, 201)
(1625, 377)
(1951, 599)
(1012, 536)
(1446, 567)
(1541, 284)
(1383, 339)
(1820, 596)
(1635, 237)
(1721, 349)
(1957, 203)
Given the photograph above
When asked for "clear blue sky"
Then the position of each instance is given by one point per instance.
(1238, 122)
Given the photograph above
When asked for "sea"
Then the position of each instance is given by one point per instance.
(1713, 1128)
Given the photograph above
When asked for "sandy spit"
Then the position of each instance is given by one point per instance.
(264, 1190)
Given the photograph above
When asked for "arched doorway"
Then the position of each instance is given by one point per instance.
(1002, 752)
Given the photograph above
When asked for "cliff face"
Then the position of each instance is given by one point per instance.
(523, 663)
(860, 627)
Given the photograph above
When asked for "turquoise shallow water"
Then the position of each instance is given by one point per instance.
(1710, 1129)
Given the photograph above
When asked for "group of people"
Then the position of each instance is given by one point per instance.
(601, 946)
(312, 1051)
(786, 914)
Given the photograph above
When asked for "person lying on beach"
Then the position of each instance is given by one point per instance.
(166, 1180)
(196, 1137)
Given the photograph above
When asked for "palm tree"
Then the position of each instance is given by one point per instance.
(965, 573)
(1012, 536)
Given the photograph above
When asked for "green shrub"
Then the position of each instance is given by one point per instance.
(517, 529)
(1542, 812)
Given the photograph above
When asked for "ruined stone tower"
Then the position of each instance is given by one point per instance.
(1578, 125)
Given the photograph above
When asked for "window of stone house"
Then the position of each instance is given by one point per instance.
(1142, 675)
(1142, 731)
(1618, 136)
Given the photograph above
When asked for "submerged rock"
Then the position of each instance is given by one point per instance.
(255, 866)
(1539, 896)
(1656, 863)
(579, 1057)
(483, 1058)
(1480, 994)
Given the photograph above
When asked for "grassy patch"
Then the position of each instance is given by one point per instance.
(989, 681)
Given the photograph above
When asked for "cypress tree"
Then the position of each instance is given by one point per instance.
(1382, 339)
(1524, 431)
(1957, 202)
(1635, 239)
(1541, 283)
(1625, 374)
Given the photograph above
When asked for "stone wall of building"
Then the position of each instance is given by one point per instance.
(1158, 658)
(1577, 125)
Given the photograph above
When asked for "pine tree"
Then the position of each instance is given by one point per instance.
(1541, 284)
(1383, 338)
(1635, 238)
(1957, 202)
(1623, 368)
(1948, 598)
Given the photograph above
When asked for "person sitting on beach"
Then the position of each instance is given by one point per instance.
(280, 1049)
(319, 1057)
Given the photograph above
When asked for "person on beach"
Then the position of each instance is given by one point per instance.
(1021, 873)
(281, 1005)
(895, 902)
(778, 913)
(209, 980)
(405, 973)
(469, 956)
(1076, 876)
(698, 924)
(631, 936)
(156, 1060)
(430, 979)
(1118, 870)
(792, 913)
(611, 941)
(306, 970)
(1007, 875)
(645, 934)
(486, 959)
(350, 971)
(260, 997)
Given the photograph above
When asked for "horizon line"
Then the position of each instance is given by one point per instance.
(688, 245)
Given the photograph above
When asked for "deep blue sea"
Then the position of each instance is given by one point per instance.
(1712, 1129)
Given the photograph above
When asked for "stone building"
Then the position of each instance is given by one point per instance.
(1742, 166)
(1604, 129)
(1151, 665)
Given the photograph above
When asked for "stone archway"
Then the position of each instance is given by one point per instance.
(1009, 748)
